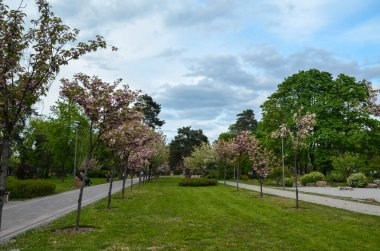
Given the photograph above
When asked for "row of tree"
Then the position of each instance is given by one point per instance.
(113, 121)
(344, 111)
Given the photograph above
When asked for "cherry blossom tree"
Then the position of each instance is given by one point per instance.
(225, 151)
(139, 160)
(261, 159)
(127, 139)
(31, 56)
(159, 162)
(304, 127)
(105, 106)
(241, 143)
(282, 133)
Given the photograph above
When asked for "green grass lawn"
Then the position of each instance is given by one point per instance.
(163, 216)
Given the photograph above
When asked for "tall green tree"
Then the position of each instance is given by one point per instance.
(245, 121)
(62, 136)
(150, 109)
(183, 144)
(343, 107)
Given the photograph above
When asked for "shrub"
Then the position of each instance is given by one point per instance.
(93, 173)
(276, 174)
(348, 163)
(312, 177)
(197, 182)
(357, 180)
(27, 189)
(289, 182)
(335, 176)
(244, 177)
(212, 174)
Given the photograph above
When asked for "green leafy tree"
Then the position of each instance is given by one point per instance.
(348, 163)
(150, 109)
(245, 121)
(343, 107)
(183, 144)
(61, 137)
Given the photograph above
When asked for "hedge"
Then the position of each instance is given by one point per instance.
(197, 182)
(312, 177)
(27, 189)
(97, 173)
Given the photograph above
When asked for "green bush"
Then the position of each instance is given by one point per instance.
(197, 182)
(289, 182)
(357, 180)
(348, 163)
(335, 176)
(92, 173)
(276, 174)
(312, 177)
(27, 189)
(244, 177)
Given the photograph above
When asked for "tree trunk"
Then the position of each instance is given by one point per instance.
(131, 180)
(295, 167)
(110, 189)
(225, 173)
(4, 172)
(237, 174)
(123, 176)
(139, 179)
(63, 172)
(83, 182)
(261, 188)
(283, 163)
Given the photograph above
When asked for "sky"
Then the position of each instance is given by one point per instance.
(207, 61)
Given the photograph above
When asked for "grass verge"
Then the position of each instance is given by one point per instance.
(163, 216)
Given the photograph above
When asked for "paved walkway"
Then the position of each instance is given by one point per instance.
(343, 204)
(20, 216)
(356, 193)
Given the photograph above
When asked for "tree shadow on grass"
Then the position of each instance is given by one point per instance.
(71, 229)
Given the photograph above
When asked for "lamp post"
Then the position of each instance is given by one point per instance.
(76, 125)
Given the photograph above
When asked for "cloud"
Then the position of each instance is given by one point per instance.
(200, 96)
(209, 105)
(95, 13)
(200, 14)
(223, 69)
(279, 65)
(171, 53)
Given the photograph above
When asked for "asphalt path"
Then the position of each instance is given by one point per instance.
(338, 203)
(355, 193)
(20, 216)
